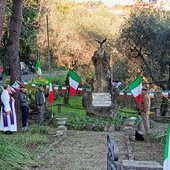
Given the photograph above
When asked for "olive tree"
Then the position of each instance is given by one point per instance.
(145, 37)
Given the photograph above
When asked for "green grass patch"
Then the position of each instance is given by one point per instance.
(78, 119)
(72, 111)
(19, 149)
(129, 111)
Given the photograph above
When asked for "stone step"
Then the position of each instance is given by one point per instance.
(140, 165)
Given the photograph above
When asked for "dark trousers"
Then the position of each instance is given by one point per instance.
(25, 110)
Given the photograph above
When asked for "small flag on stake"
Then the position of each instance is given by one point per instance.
(121, 94)
(63, 88)
(165, 93)
(56, 88)
(25, 83)
(80, 90)
(151, 94)
(16, 85)
(33, 85)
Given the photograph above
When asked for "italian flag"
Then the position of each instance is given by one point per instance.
(25, 83)
(166, 163)
(56, 88)
(121, 94)
(136, 89)
(74, 81)
(51, 94)
(38, 69)
(80, 90)
(33, 85)
(63, 89)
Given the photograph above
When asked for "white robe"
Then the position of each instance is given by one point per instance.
(5, 98)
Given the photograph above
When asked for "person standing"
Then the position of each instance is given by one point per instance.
(145, 109)
(8, 122)
(40, 102)
(24, 104)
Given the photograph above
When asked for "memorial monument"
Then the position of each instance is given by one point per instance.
(99, 101)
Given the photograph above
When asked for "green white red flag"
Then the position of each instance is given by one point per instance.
(51, 93)
(74, 81)
(136, 89)
(33, 85)
(38, 68)
(166, 163)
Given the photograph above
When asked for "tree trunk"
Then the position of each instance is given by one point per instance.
(13, 49)
(2, 12)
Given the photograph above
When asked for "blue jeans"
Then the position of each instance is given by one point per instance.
(25, 111)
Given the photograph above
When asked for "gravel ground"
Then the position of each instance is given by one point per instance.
(84, 150)
(150, 150)
(80, 150)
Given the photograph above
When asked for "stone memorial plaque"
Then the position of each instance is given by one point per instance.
(101, 99)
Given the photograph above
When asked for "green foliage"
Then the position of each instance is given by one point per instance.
(39, 129)
(59, 80)
(29, 32)
(79, 123)
(118, 118)
(129, 112)
(144, 40)
(13, 149)
(158, 136)
(87, 123)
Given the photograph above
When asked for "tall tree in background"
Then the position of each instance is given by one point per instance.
(145, 38)
(13, 46)
(2, 11)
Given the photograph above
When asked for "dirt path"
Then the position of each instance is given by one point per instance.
(79, 151)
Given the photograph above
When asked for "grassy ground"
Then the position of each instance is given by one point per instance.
(20, 148)
(23, 148)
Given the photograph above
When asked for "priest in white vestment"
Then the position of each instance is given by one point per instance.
(8, 122)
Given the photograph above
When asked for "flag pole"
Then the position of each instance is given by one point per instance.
(85, 82)
(124, 88)
(52, 110)
(48, 42)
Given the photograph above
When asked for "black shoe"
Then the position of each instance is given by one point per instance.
(8, 132)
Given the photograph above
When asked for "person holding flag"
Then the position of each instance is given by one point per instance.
(143, 100)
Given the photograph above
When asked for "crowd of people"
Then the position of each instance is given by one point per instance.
(8, 121)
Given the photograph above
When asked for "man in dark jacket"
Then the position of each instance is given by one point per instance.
(40, 102)
(24, 104)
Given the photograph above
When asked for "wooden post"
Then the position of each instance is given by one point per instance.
(48, 42)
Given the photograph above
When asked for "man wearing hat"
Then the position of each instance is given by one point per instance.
(24, 104)
(145, 109)
(40, 102)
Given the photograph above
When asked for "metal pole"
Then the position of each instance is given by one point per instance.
(48, 41)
